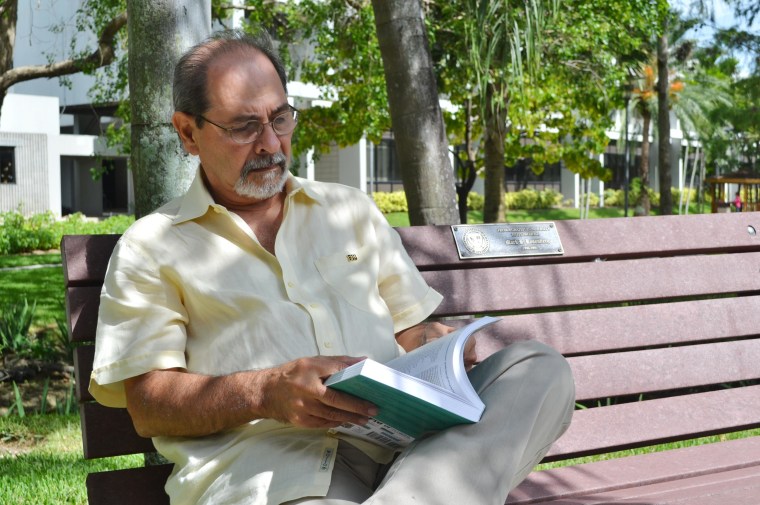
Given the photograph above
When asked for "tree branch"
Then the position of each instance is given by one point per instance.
(102, 56)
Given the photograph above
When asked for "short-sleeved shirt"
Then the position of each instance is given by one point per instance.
(189, 286)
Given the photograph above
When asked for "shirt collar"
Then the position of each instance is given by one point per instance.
(198, 200)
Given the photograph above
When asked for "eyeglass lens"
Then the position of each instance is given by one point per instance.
(281, 124)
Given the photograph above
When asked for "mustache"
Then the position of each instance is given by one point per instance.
(263, 162)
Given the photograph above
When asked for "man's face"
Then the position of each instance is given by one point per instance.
(242, 86)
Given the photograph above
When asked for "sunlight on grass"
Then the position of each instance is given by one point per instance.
(49, 468)
(23, 260)
(45, 285)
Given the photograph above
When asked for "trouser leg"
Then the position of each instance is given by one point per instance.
(529, 395)
(352, 481)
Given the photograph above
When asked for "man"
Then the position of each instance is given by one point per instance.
(223, 312)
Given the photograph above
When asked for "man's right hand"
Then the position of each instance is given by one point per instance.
(295, 393)
(178, 403)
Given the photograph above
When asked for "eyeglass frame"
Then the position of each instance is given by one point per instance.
(292, 110)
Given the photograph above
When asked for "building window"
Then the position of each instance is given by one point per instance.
(383, 171)
(7, 165)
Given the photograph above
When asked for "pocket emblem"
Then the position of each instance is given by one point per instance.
(352, 257)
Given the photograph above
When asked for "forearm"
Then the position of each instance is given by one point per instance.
(176, 403)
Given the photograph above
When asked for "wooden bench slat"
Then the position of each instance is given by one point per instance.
(109, 432)
(86, 258)
(477, 291)
(732, 487)
(432, 247)
(645, 469)
(83, 357)
(607, 429)
(630, 373)
(143, 486)
(82, 303)
(624, 328)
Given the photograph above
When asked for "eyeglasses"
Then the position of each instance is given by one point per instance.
(248, 132)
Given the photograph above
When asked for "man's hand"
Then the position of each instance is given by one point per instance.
(419, 335)
(295, 393)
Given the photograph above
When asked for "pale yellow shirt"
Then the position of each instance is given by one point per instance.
(189, 286)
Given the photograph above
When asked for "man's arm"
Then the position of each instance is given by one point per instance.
(421, 334)
(178, 403)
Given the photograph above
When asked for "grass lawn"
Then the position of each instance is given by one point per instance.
(24, 260)
(45, 285)
(41, 461)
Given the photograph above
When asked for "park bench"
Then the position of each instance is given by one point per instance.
(659, 318)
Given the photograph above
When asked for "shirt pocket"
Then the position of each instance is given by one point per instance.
(353, 275)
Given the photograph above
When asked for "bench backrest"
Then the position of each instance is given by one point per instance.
(660, 309)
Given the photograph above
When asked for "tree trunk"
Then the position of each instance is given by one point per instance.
(644, 205)
(159, 32)
(493, 152)
(468, 173)
(416, 116)
(8, 13)
(663, 125)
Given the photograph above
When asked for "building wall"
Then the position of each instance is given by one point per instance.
(38, 114)
(327, 167)
(30, 192)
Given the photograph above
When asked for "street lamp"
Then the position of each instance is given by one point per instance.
(627, 89)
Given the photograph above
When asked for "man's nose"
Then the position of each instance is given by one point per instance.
(268, 141)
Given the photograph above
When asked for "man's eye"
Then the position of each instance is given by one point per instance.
(249, 127)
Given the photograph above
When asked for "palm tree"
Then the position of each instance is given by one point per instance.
(691, 94)
(504, 40)
(645, 104)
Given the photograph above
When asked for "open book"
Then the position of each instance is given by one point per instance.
(423, 391)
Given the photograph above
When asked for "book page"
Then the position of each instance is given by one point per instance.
(441, 362)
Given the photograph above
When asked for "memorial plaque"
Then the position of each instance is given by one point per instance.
(500, 240)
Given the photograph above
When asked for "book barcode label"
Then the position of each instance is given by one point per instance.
(379, 433)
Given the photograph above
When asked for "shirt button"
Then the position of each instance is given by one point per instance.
(313, 305)
(291, 285)
(328, 345)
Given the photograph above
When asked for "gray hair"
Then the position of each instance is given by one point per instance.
(190, 85)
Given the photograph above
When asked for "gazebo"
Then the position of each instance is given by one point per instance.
(749, 189)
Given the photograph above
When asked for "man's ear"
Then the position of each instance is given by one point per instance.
(186, 129)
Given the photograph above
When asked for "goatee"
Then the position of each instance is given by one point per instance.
(261, 186)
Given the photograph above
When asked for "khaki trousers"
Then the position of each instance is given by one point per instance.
(529, 394)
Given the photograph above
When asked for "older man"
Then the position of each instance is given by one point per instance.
(223, 312)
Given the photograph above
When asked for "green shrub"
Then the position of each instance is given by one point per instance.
(19, 234)
(390, 202)
(594, 200)
(475, 201)
(616, 197)
(531, 199)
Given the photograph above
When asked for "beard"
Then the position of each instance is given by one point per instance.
(262, 186)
